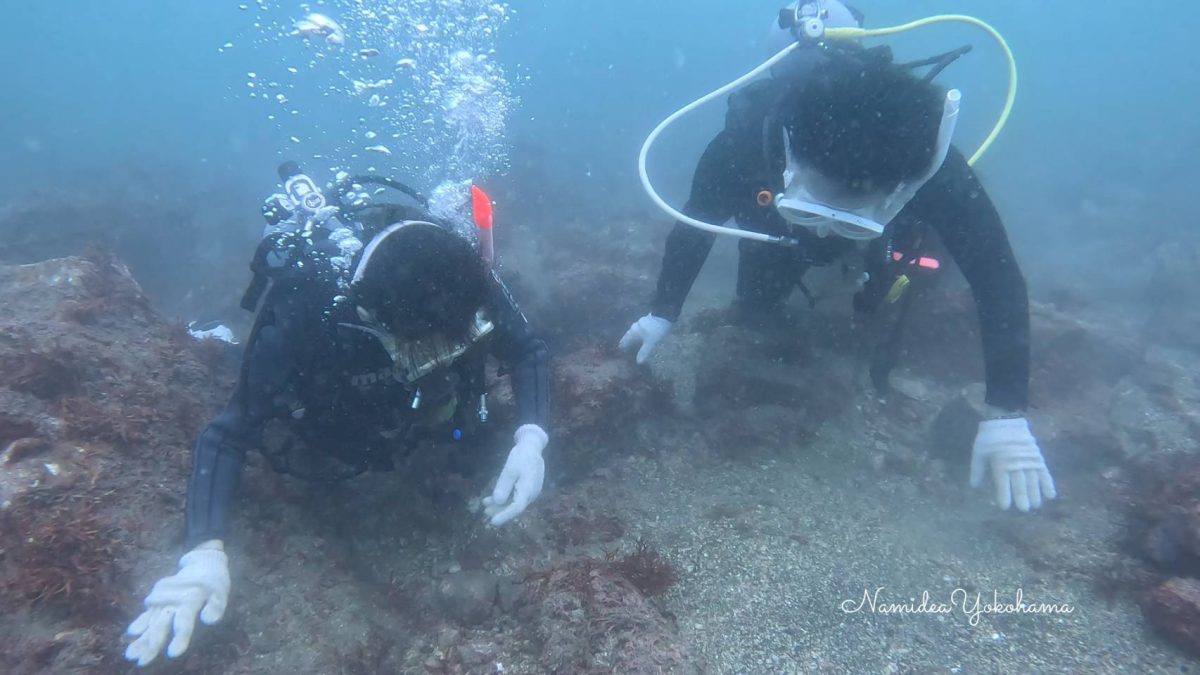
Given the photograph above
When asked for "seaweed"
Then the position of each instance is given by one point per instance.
(648, 571)
(47, 374)
(573, 523)
(368, 657)
(643, 567)
(22, 449)
(131, 412)
(112, 292)
(212, 353)
(63, 554)
(76, 650)
(592, 615)
(120, 426)
(575, 576)
(14, 428)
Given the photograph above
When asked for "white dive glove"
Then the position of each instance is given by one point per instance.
(1008, 448)
(201, 586)
(521, 479)
(647, 331)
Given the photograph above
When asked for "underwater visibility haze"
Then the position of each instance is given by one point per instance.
(344, 337)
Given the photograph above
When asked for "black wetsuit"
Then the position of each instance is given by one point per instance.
(735, 168)
(332, 386)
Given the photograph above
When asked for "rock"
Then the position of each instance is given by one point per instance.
(953, 430)
(600, 401)
(1157, 409)
(568, 324)
(766, 387)
(878, 462)
(75, 650)
(447, 637)
(508, 592)
(575, 520)
(1133, 420)
(912, 388)
(1173, 297)
(24, 417)
(1164, 497)
(87, 357)
(1174, 539)
(101, 400)
(601, 398)
(484, 549)
(467, 597)
(941, 337)
(476, 653)
(1071, 357)
(32, 464)
(745, 367)
(1174, 609)
(588, 617)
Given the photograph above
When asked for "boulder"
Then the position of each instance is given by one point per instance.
(1174, 609)
(1164, 498)
(100, 398)
(468, 597)
(1157, 408)
(955, 427)
(588, 617)
(766, 388)
(601, 400)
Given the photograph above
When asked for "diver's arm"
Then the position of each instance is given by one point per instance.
(216, 471)
(712, 200)
(525, 354)
(220, 450)
(520, 481)
(201, 587)
(956, 205)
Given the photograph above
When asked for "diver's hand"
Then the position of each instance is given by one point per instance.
(201, 586)
(1019, 473)
(647, 332)
(521, 479)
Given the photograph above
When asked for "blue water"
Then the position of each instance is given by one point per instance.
(181, 110)
(1101, 142)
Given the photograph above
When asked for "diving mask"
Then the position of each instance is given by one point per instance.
(811, 201)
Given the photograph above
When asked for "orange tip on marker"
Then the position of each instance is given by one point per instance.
(481, 206)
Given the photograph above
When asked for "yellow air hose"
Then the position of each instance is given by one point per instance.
(823, 33)
(859, 33)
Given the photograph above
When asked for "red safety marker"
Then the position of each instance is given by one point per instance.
(481, 207)
(923, 262)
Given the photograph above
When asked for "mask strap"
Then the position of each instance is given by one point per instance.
(369, 251)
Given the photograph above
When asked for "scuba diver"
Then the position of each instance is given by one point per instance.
(374, 324)
(841, 150)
